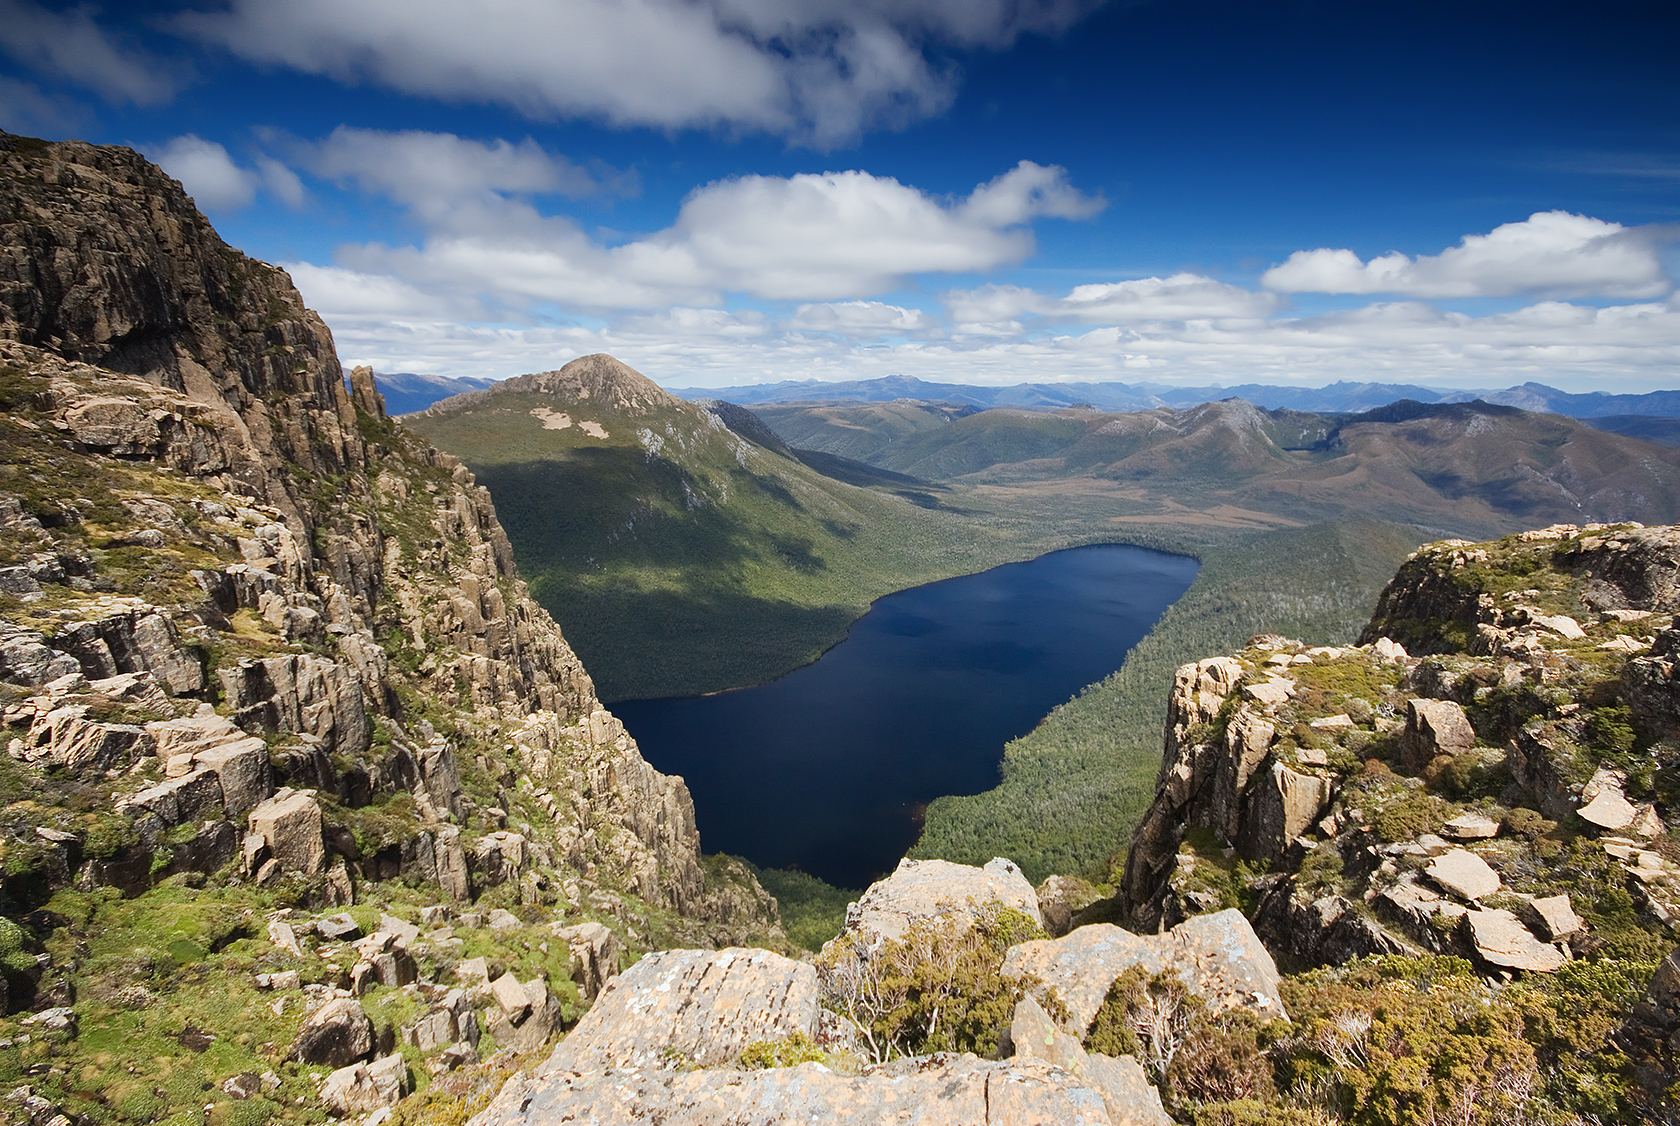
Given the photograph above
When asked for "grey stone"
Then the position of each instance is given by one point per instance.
(942, 1090)
(339, 928)
(1604, 803)
(596, 956)
(403, 933)
(363, 1087)
(701, 1006)
(1470, 827)
(927, 889)
(1125, 1089)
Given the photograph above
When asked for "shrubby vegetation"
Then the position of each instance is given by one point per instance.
(940, 988)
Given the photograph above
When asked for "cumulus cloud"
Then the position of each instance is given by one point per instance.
(818, 71)
(71, 46)
(813, 238)
(1550, 252)
(1180, 297)
(216, 182)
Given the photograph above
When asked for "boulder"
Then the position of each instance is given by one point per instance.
(1555, 916)
(1604, 803)
(596, 957)
(700, 1006)
(1433, 728)
(341, 927)
(1464, 874)
(1470, 827)
(1501, 940)
(926, 889)
(290, 823)
(337, 1034)
(1218, 957)
(1060, 898)
(539, 1019)
(364, 1087)
(402, 933)
(1125, 1089)
(1282, 804)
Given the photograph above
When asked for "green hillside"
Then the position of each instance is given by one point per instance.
(679, 556)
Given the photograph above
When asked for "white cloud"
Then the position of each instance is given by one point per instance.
(819, 71)
(1632, 347)
(854, 319)
(434, 173)
(834, 236)
(70, 45)
(1180, 297)
(208, 173)
(1550, 252)
(216, 182)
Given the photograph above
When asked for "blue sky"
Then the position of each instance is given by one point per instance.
(980, 191)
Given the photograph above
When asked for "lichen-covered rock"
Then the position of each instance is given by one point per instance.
(363, 1087)
(1218, 956)
(699, 1006)
(1127, 1095)
(928, 889)
(938, 1090)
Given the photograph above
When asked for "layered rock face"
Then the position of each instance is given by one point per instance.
(1366, 800)
(197, 510)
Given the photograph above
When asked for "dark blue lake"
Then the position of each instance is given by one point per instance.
(829, 767)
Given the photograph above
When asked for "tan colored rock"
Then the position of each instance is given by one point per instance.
(1501, 940)
(1282, 804)
(1059, 898)
(1218, 957)
(290, 822)
(1555, 916)
(596, 956)
(1389, 650)
(1341, 722)
(1434, 727)
(1464, 874)
(1125, 1089)
(926, 889)
(1561, 624)
(1470, 827)
(510, 995)
(1605, 804)
(701, 1006)
(1270, 692)
(241, 767)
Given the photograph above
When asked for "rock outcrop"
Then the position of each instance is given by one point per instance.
(1406, 794)
(343, 590)
(929, 889)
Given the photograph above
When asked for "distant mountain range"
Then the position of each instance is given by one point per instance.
(1341, 397)
(407, 392)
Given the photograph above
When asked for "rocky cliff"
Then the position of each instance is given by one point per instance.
(254, 632)
(1489, 774)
